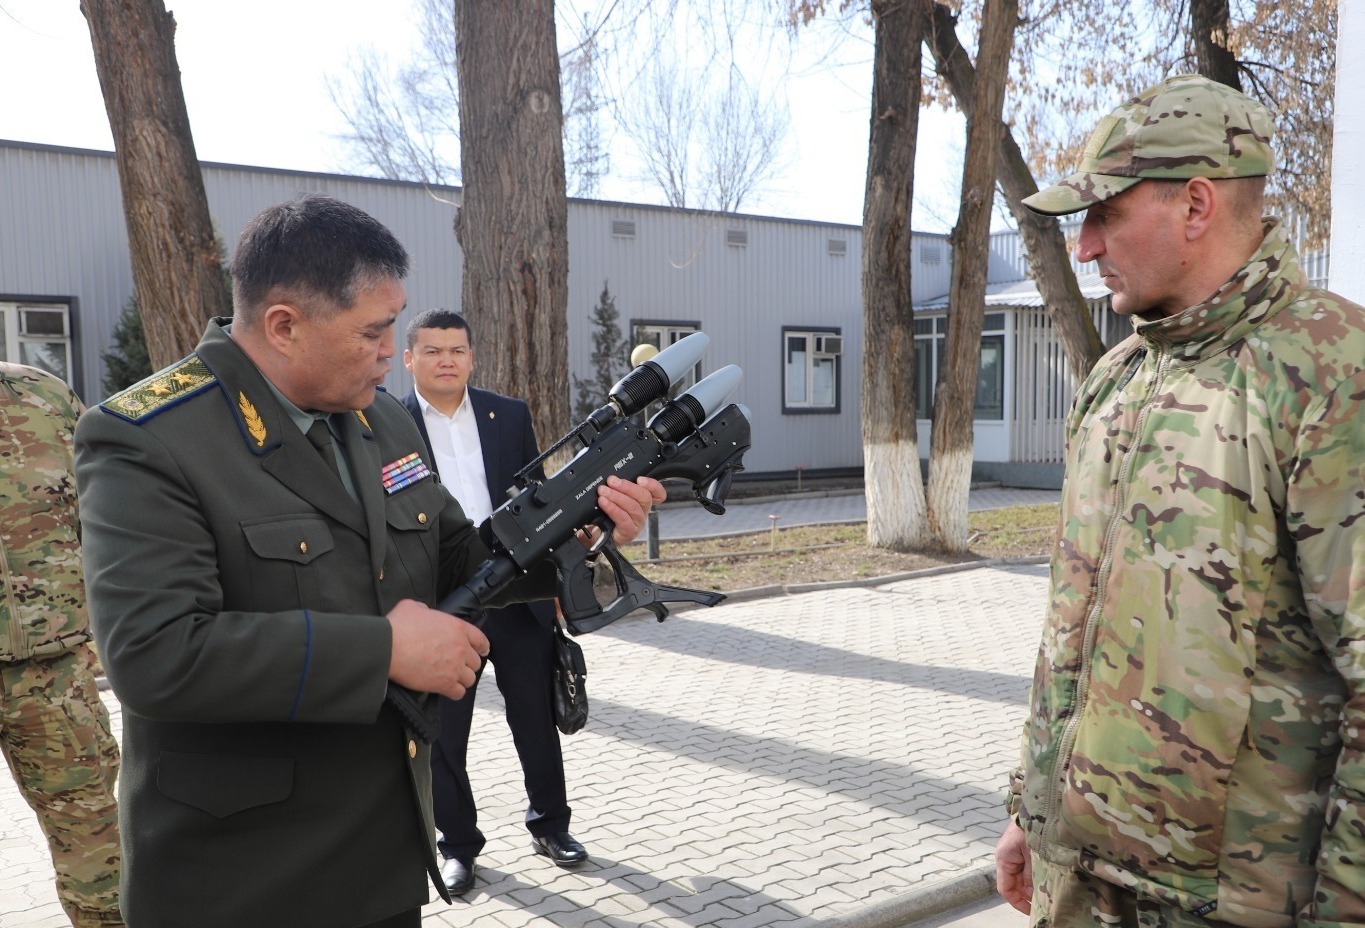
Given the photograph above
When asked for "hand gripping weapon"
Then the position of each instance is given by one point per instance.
(693, 438)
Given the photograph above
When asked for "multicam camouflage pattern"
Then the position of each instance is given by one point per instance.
(42, 612)
(1186, 126)
(56, 734)
(1067, 898)
(1197, 731)
(65, 760)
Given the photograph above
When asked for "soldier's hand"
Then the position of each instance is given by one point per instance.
(627, 503)
(434, 652)
(1014, 869)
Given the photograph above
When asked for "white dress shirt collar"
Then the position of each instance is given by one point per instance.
(458, 450)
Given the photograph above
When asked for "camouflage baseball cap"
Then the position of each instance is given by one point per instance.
(1186, 126)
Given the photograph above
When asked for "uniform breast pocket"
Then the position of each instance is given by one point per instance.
(413, 515)
(290, 553)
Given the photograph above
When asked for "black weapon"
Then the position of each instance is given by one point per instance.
(687, 439)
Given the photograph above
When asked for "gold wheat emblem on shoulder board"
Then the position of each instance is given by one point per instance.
(254, 426)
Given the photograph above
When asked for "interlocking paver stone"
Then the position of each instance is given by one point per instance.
(787, 760)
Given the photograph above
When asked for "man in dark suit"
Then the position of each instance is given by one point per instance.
(262, 546)
(478, 441)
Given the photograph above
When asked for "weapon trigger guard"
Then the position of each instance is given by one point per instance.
(602, 540)
(576, 596)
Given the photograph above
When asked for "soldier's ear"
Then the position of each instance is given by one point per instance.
(280, 325)
(1203, 205)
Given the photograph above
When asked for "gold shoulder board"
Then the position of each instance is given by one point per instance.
(161, 391)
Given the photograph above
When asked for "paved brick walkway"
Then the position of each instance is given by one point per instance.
(821, 759)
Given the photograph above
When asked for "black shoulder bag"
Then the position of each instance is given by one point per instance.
(568, 683)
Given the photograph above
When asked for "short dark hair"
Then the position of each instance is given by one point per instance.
(438, 319)
(316, 250)
(1244, 196)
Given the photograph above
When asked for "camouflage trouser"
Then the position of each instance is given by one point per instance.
(1067, 898)
(57, 741)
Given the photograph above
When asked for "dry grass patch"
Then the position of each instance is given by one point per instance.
(812, 553)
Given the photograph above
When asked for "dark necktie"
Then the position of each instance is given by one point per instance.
(321, 437)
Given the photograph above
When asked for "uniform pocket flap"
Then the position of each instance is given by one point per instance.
(415, 508)
(298, 538)
(223, 786)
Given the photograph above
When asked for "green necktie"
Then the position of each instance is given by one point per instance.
(321, 437)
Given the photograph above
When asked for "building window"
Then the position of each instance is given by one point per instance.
(810, 370)
(37, 334)
(930, 341)
(661, 335)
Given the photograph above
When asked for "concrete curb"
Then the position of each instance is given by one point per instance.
(767, 498)
(963, 889)
(642, 543)
(792, 589)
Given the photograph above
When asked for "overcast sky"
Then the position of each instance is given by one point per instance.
(254, 74)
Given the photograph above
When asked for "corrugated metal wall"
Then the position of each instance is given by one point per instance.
(678, 267)
(62, 235)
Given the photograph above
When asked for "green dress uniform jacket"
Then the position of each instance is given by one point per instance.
(238, 595)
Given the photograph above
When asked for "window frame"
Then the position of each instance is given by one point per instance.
(670, 331)
(995, 328)
(808, 407)
(13, 334)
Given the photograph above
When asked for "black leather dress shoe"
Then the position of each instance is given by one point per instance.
(560, 847)
(458, 875)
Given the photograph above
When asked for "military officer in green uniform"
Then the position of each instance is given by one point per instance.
(262, 553)
(55, 730)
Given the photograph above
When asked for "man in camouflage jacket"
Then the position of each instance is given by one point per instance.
(1195, 750)
(56, 731)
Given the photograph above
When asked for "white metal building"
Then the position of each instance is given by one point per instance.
(781, 298)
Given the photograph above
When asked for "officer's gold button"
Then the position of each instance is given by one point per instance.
(422, 518)
(303, 547)
(412, 748)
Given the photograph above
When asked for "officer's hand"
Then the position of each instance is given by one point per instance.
(1014, 869)
(434, 652)
(627, 504)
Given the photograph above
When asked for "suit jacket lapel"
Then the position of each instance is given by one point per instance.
(414, 408)
(495, 473)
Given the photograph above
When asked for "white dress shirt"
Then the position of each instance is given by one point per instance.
(459, 456)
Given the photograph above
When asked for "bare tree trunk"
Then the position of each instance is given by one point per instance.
(177, 268)
(1043, 240)
(1209, 29)
(895, 488)
(513, 223)
(950, 448)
